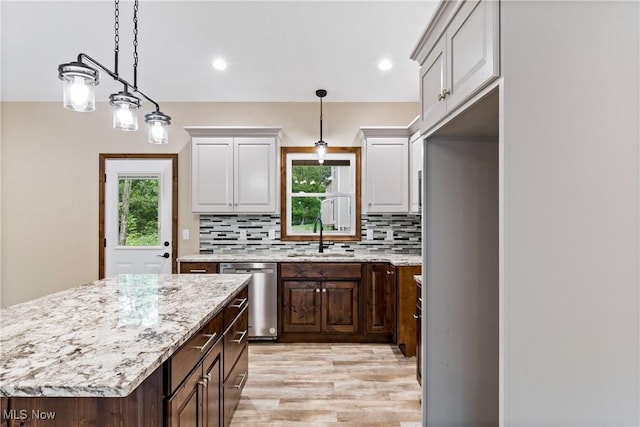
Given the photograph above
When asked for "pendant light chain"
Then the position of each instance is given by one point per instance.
(135, 44)
(116, 37)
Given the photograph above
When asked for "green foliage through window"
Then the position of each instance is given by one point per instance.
(138, 211)
(305, 209)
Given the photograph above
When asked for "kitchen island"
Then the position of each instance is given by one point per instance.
(118, 351)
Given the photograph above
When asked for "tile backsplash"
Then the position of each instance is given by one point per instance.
(231, 234)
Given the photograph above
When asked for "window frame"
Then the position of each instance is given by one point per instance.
(285, 195)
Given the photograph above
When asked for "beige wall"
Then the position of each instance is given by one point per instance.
(49, 167)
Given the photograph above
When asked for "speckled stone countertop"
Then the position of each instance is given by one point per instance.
(105, 338)
(394, 259)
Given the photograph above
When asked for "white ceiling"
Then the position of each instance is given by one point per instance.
(276, 51)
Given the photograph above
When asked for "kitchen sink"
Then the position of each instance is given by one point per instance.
(322, 255)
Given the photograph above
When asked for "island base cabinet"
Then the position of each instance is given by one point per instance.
(234, 385)
(143, 407)
(197, 402)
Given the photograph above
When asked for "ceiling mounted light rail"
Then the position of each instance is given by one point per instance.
(321, 146)
(80, 77)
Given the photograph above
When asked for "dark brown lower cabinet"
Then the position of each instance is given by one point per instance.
(197, 402)
(340, 306)
(234, 384)
(320, 306)
(380, 294)
(418, 319)
(301, 310)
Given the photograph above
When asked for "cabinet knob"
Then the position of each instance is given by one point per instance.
(324, 291)
(415, 316)
(317, 290)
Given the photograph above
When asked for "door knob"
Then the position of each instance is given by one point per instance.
(164, 255)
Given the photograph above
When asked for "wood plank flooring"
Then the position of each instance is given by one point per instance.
(314, 385)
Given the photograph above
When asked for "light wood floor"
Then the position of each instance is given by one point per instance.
(364, 385)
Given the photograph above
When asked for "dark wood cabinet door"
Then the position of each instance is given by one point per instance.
(301, 306)
(212, 398)
(340, 306)
(185, 407)
(380, 299)
(418, 318)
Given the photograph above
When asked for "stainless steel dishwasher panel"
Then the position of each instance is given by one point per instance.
(263, 297)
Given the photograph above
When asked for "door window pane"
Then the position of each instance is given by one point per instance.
(138, 209)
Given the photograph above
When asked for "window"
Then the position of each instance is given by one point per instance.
(328, 191)
(138, 210)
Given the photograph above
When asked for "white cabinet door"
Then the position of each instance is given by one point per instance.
(472, 49)
(255, 175)
(432, 84)
(464, 58)
(212, 175)
(387, 175)
(415, 160)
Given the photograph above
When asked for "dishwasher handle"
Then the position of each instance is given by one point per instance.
(247, 270)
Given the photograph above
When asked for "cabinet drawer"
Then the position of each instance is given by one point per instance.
(305, 270)
(235, 339)
(239, 303)
(199, 267)
(234, 385)
(183, 360)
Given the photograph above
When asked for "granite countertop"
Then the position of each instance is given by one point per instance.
(394, 259)
(105, 338)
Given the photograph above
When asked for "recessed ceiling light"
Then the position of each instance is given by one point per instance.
(385, 65)
(219, 64)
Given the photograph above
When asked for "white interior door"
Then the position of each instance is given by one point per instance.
(138, 216)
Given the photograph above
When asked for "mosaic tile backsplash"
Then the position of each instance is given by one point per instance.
(225, 234)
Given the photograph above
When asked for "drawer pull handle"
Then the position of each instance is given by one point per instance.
(420, 299)
(239, 304)
(415, 316)
(239, 340)
(206, 344)
(198, 271)
(244, 377)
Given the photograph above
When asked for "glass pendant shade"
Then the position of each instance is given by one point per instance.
(158, 127)
(321, 149)
(125, 110)
(78, 81)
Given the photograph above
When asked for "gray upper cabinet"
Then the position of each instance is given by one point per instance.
(458, 55)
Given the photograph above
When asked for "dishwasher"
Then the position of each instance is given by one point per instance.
(263, 297)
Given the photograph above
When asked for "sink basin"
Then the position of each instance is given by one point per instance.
(321, 255)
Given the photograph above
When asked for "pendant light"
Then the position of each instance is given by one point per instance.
(79, 79)
(321, 146)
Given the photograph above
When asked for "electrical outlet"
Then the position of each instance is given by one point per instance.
(389, 234)
(369, 234)
(243, 234)
(185, 234)
(272, 234)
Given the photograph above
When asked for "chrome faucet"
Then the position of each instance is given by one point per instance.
(315, 229)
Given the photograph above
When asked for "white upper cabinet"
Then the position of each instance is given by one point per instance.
(254, 175)
(458, 54)
(234, 170)
(386, 170)
(212, 175)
